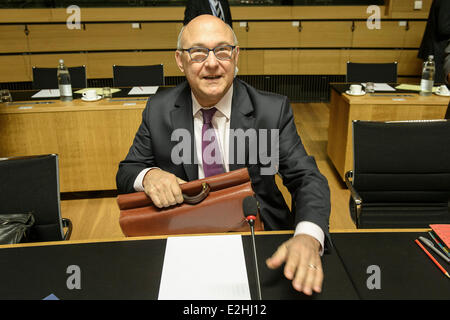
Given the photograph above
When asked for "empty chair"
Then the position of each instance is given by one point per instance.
(31, 184)
(129, 76)
(401, 174)
(372, 72)
(46, 78)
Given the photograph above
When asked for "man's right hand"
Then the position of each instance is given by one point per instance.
(163, 188)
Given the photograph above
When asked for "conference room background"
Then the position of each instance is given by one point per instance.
(295, 48)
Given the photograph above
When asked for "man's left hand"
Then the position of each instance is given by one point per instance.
(303, 265)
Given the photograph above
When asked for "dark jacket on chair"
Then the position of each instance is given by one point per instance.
(437, 32)
(196, 8)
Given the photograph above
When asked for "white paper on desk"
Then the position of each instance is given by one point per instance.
(143, 90)
(381, 87)
(204, 268)
(46, 93)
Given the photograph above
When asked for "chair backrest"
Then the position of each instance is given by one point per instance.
(373, 72)
(403, 166)
(31, 184)
(46, 78)
(129, 76)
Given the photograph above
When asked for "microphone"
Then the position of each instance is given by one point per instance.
(250, 209)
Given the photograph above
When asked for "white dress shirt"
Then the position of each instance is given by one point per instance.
(221, 123)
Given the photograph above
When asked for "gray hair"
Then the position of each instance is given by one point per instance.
(179, 46)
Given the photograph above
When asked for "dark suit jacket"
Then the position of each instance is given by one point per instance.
(172, 109)
(437, 32)
(196, 8)
(446, 72)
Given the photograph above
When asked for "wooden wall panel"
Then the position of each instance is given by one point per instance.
(99, 65)
(91, 44)
(111, 36)
(52, 60)
(413, 36)
(317, 61)
(279, 61)
(408, 63)
(13, 38)
(373, 56)
(405, 9)
(273, 34)
(15, 68)
(389, 35)
(326, 34)
(56, 37)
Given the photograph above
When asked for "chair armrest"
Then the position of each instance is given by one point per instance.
(355, 196)
(67, 223)
(354, 193)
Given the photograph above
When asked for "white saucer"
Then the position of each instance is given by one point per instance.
(93, 99)
(437, 92)
(355, 94)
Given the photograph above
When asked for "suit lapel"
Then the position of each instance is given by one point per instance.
(241, 118)
(181, 117)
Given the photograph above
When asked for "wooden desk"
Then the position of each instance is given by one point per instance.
(91, 138)
(345, 108)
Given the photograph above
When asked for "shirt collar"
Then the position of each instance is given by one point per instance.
(224, 105)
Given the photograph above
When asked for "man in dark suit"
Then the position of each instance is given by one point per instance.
(211, 86)
(437, 32)
(218, 8)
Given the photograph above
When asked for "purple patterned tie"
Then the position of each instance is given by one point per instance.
(211, 157)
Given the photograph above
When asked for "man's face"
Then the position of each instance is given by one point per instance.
(210, 79)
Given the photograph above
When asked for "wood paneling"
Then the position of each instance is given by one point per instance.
(13, 38)
(90, 45)
(15, 68)
(317, 61)
(90, 138)
(273, 34)
(100, 64)
(51, 60)
(408, 63)
(414, 35)
(326, 34)
(390, 34)
(93, 14)
(111, 36)
(405, 9)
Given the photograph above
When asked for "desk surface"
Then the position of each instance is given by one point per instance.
(23, 103)
(401, 97)
(132, 269)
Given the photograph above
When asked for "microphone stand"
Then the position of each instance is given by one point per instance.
(251, 222)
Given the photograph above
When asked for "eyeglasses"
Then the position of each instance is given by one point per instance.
(200, 54)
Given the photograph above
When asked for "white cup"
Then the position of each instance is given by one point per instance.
(90, 94)
(443, 89)
(355, 89)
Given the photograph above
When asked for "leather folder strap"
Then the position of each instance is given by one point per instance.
(198, 197)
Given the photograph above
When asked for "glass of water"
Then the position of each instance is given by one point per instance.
(5, 96)
(370, 87)
(107, 93)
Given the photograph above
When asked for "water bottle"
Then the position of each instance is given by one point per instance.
(426, 84)
(65, 88)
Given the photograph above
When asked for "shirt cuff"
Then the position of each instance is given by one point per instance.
(312, 229)
(138, 186)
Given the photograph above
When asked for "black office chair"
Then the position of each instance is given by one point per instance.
(130, 76)
(31, 184)
(401, 174)
(373, 72)
(46, 78)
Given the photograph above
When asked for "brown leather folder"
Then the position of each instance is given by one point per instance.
(211, 205)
